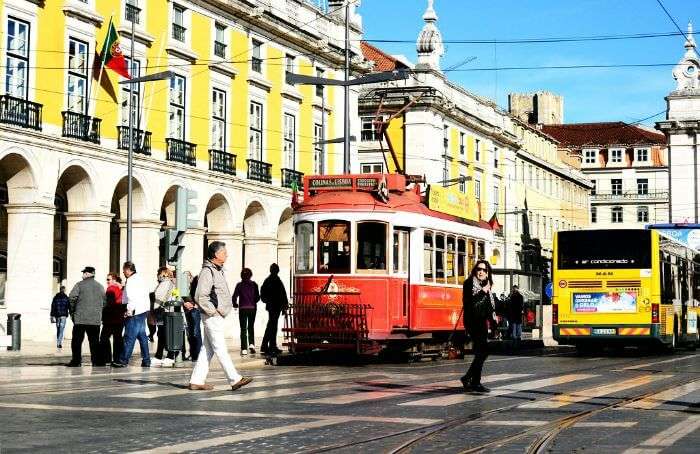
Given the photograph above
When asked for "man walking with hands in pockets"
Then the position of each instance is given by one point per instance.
(214, 300)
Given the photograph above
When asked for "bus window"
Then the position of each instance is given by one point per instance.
(450, 276)
(371, 246)
(594, 249)
(304, 247)
(440, 258)
(428, 250)
(400, 251)
(334, 247)
(472, 255)
(461, 260)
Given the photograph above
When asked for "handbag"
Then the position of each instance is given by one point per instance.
(482, 307)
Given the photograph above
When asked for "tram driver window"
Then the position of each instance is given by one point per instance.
(440, 267)
(450, 275)
(334, 247)
(304, 247)
(371, 246)
(428, 257)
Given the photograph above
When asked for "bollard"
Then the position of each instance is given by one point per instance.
(14, 329)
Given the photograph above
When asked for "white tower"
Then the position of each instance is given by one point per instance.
(682, 130)
(429, 43)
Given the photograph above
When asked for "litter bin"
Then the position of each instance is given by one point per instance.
(174, 331)
(14, 329)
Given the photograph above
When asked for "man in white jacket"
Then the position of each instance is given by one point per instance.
(135, 296)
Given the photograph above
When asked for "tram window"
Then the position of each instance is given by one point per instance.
(440, 258)
(428, 249)
(400, 251)
(461, 260)
(472, 254)
(482, 250)
(450, 276)
(695, 285)
(371, 246)
(683, 280)
(304, 247)
(334, 247)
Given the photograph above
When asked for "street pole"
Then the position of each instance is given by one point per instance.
(322, 158)
(346, 92)
(130, 159)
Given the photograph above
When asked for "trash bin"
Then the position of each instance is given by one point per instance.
(174, 331)
(14, 329)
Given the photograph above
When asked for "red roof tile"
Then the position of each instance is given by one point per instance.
(382, 61)
(602, 134)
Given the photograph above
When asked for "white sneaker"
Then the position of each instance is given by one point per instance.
(167, 362)
(244, 352)
(251, 349)
(155, 362)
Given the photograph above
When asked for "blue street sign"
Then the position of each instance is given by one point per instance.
(548, 290)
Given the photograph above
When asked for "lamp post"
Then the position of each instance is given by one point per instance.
(130, 161)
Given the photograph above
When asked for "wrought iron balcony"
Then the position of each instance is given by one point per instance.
(220, 161)
(132, 13)
(20, 112)
(290, 177)
(259, 171)
(180, 151)
(219, 49)
(81, 127)
(179, 32)
(142, 140)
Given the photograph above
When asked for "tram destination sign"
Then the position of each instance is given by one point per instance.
(330, 183)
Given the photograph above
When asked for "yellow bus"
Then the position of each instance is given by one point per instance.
(624, 287)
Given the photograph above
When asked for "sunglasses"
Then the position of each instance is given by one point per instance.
(479, 268)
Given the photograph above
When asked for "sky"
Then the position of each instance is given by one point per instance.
(590, 95)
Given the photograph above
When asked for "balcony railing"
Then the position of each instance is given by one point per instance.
(220, 161)
(631, 196)
(81, 127)
(291, 177)
(132, 13)
(142, 140)
(180, 151)
(219, 49)
(20, 112)
(259, 171)
(179, 32)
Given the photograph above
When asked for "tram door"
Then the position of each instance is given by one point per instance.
(400, 289)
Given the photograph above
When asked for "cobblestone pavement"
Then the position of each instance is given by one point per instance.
(556, 402)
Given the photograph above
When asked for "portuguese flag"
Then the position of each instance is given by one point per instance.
(111, 54)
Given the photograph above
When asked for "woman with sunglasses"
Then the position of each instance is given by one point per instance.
(478, 302)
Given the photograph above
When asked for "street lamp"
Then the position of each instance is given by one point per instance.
(130, 162)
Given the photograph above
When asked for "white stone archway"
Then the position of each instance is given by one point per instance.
(141, 208)
(285, 247)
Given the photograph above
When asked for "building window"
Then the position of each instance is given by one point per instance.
(446, 138)
(616, 185)
(594, 215)
(77, 76)
(289, 64)
(642, 154)
(318, 149)
(617, 215)
(135, 91)
(477, 151)
(369, 129)
(132, 10)
(642, 186)
(495, 158)
(616, 155)
(496, 197)
(255, 138)
(177, 107)
(179, 23)
(220, 41)
(643, 214)
(445, 175)
(589, 156)
(17, 63)
(319, 88)
(289, 141)
(256, 59)
(462, 184)
(593, 190)
(530, 173)
(218, 119)
(372, 167)
(461, 143)
(477, 188)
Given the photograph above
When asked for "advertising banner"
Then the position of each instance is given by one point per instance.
(449, 201)
(604, 302)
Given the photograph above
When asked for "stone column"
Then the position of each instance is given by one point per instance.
(145, 249)
(193, 255)
(234, 246)
(30, 267)
(285, 256)
(88, 245)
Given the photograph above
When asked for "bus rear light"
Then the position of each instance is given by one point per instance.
(654, 313)
(555, 314)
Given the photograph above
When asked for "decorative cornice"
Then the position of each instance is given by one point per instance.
(292, 93)
(178, 50)
(30, 208)
(140, 36)
(80, 11)
(225, 68)
(259, 82)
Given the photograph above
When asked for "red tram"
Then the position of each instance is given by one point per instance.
(376, 268)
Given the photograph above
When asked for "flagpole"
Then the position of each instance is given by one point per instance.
(130, 160)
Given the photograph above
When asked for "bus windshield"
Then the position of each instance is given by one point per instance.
(596, 249)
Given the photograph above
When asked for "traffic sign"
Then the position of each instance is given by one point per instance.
(548, 290)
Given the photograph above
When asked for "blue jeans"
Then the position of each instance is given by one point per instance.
(194, 332)
(135, 328)
(60, 328)
(516, 330)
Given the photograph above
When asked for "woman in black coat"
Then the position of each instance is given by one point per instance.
(477, 299)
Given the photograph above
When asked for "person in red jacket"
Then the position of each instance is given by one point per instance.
(112, 320)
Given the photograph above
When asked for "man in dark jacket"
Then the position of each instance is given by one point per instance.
(87, 299)
(59, 314)
(515, 315)
(274, 295)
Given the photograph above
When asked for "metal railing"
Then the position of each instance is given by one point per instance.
(259, 171)
(180, 151)
(221, 161)
(20, 112)
(289, 177)
(219, 49)
(142, 140)
(631, 196)
(81, 127)
(179, 32)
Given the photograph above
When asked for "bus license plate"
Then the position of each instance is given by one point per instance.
(604, 331)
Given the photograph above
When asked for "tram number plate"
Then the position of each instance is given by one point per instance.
(604, 331)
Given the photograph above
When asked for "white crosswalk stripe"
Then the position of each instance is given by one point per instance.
(349, 398)
(297, 390)
(591, 393)
(453, 399)
(667, 437)
(666, 398)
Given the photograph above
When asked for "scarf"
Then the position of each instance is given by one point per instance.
(476, 288)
